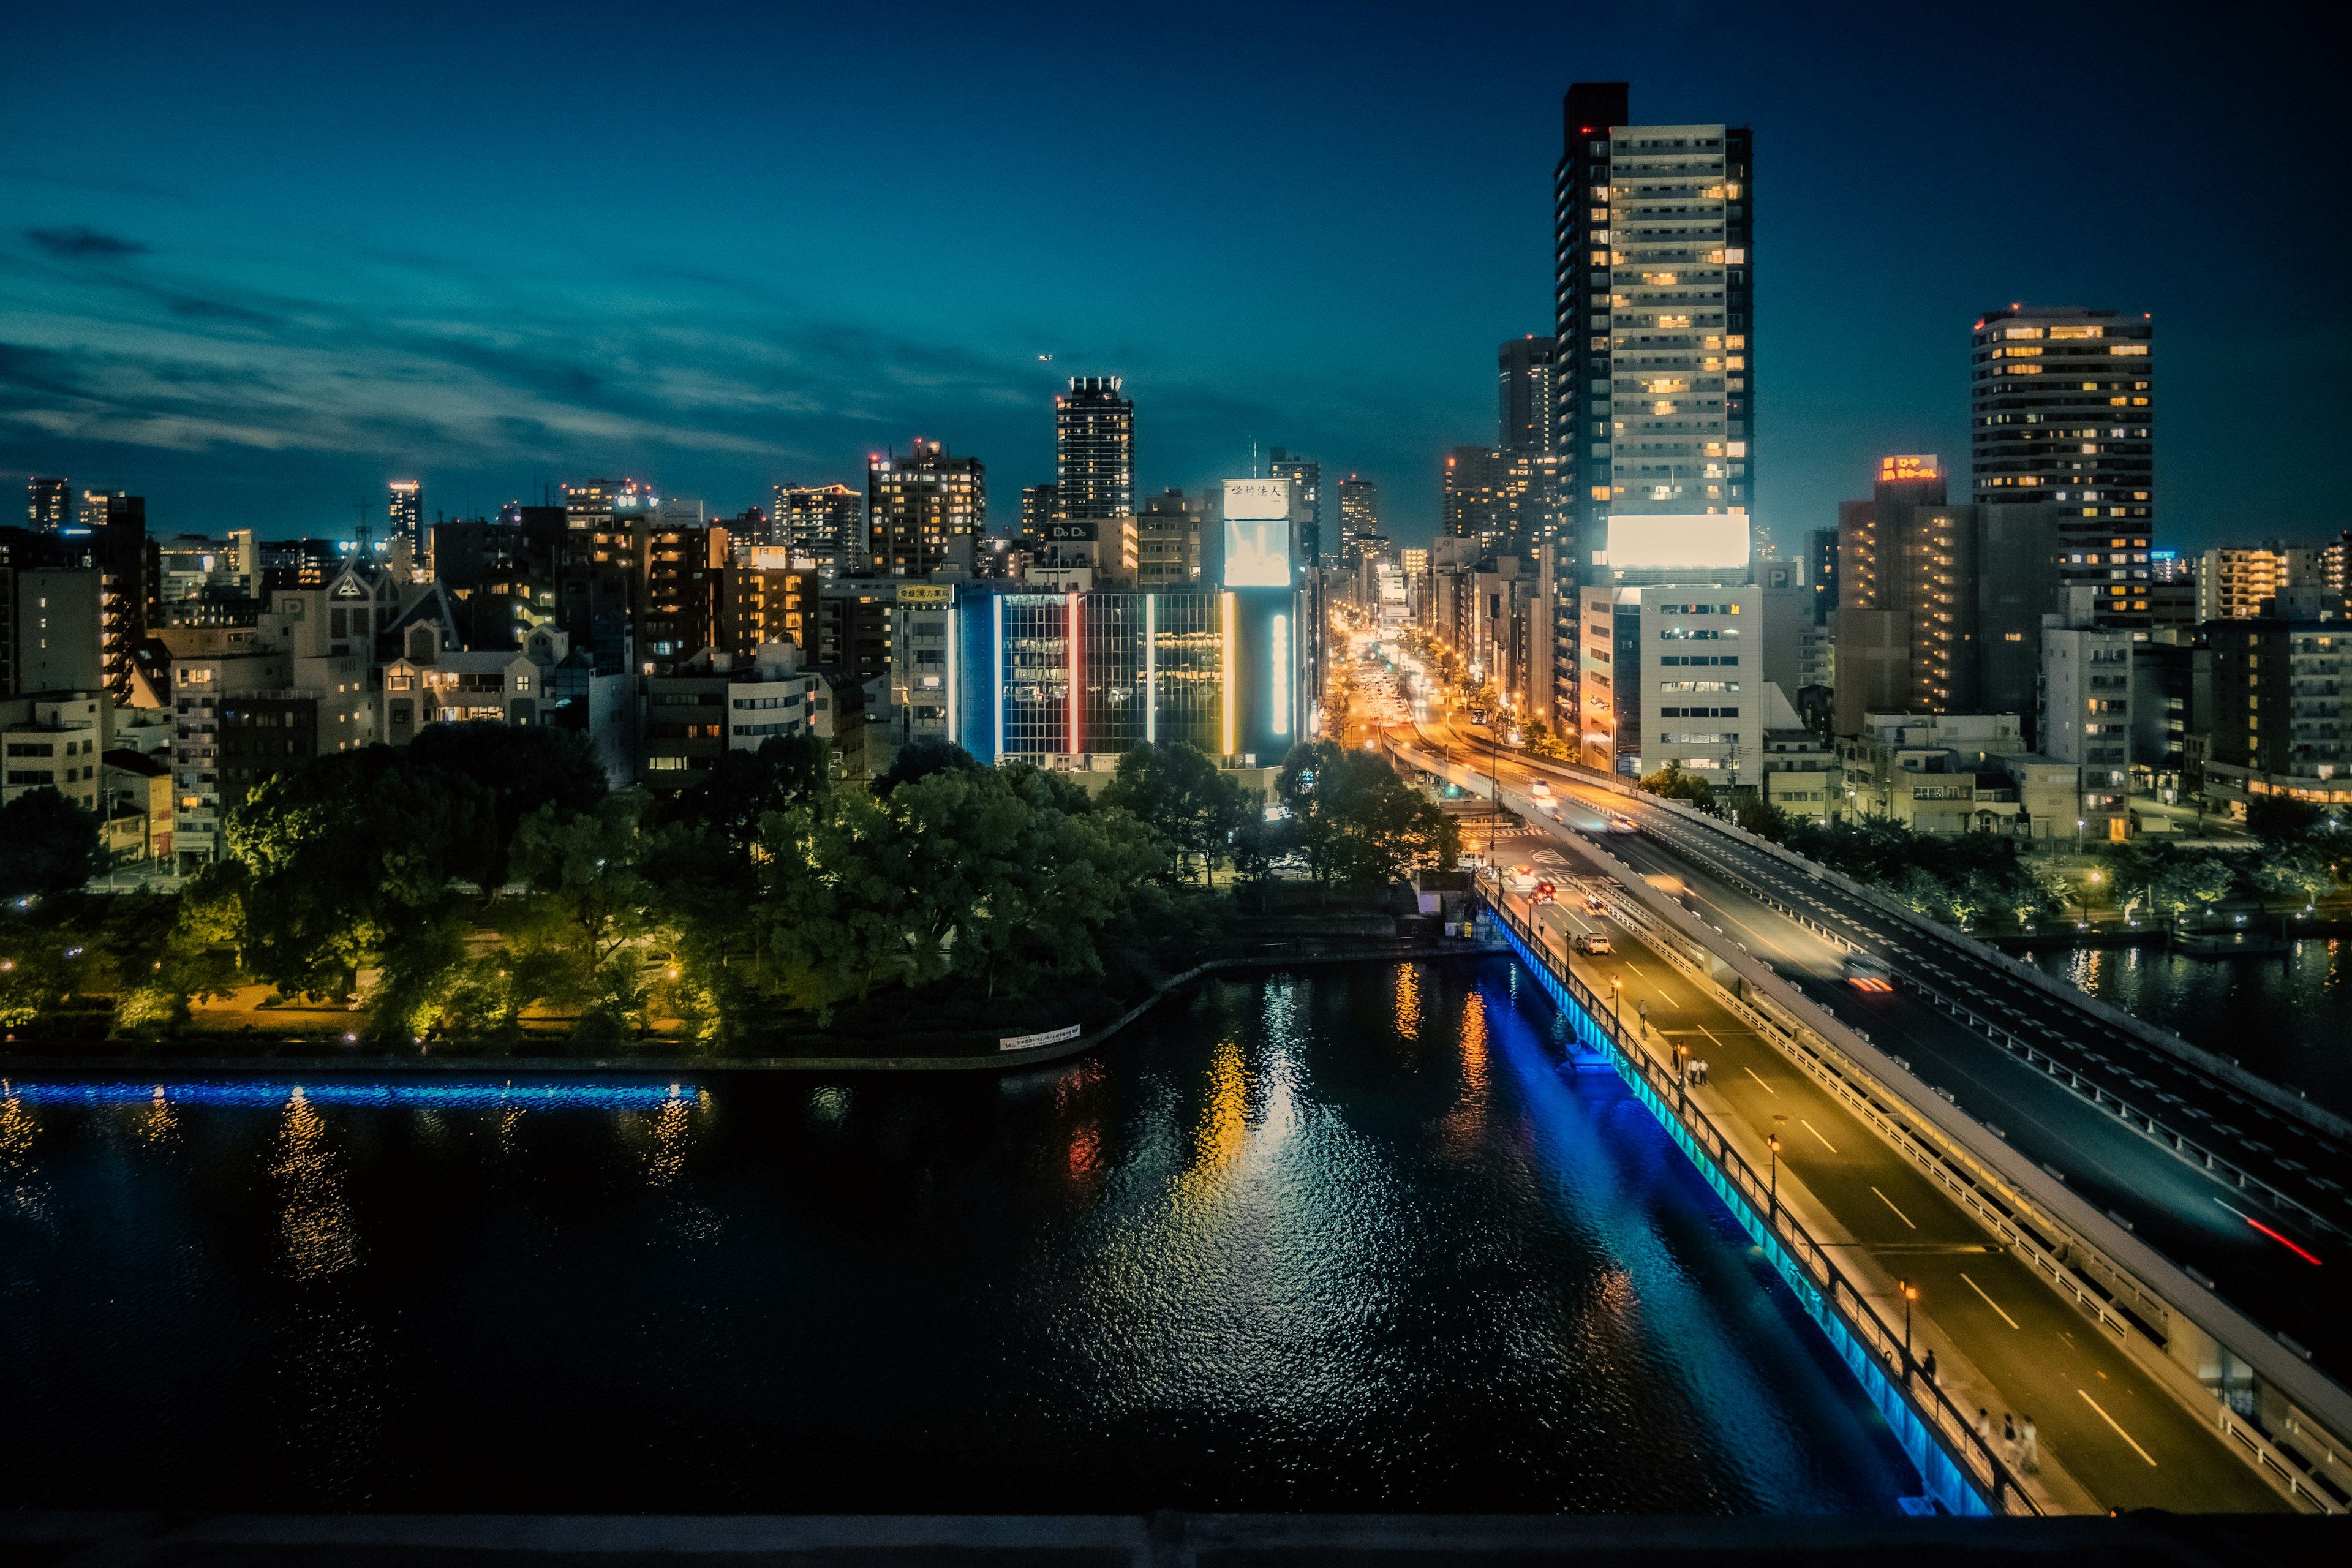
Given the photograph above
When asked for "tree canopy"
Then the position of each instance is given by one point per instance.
(47, 845)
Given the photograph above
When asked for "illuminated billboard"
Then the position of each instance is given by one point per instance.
(1257, 534)
(1712, 540)
(1913, 466)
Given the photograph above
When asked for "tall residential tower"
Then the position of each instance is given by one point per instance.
(1094, 449)
(1654, 285)
(2063, 411)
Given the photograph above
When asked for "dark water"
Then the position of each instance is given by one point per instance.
(1341, 1240)
(2288, 1018)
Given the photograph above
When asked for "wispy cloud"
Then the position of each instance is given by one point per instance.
(486, 374)
(77, 243)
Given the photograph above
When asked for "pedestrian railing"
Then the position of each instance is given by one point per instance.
(1980, 1480)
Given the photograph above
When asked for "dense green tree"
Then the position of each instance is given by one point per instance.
(1671, 783)
(589, 888)
(1180, 794)
(2282, 822)
(1762, 818)
(2191, 881)
(921, 759)
(521, 767)
(2302, 872)
(47, 845)
(331, 861)
(1351, 818)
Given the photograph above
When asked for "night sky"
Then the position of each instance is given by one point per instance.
(255, 263)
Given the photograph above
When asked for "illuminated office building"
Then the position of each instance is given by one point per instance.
(1653, 290)
(924, 510)
(1074, 679)
(1672, 650)
(1094, 451)
(2063, 411)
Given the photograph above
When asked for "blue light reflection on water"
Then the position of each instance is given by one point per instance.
(462, 1094)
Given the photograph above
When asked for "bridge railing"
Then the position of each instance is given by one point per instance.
(1798, 1256)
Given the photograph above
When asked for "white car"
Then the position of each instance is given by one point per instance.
(1520, 879)
(1624, 824)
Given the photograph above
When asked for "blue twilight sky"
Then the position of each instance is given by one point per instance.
(258, 260)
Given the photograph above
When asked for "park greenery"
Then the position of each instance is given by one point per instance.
(484, 883)
(1971, 878)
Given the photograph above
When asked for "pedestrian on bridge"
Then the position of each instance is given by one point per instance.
(2008, 1440)
(2028, 1447)
(1928, 1369)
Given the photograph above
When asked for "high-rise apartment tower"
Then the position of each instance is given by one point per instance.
(2063, 410)
(48, 504)
(404, 515)
(1655, 285)
(820, 523)
(924, 510)
(1526, 397)
(1094, 449)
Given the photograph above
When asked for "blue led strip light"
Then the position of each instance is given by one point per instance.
(463, 1093)
(1928, 1434)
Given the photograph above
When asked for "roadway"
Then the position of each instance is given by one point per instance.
(2025, 1351)
(2265, 1260)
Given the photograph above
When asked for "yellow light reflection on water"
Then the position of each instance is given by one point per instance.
(1408, 1000)
(158, 1121)
(315, 1225)
(1225, 1113)
(17, 1130)
(1461, 1132)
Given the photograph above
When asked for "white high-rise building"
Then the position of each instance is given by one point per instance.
(1655, 284)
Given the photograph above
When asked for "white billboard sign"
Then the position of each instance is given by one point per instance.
(1713, 539)
(1257, 534)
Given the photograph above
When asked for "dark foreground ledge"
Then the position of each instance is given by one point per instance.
(1157, 1541)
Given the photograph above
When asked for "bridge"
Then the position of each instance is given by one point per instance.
(2179, 1209)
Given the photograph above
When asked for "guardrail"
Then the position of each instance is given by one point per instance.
(1957, 1168)
(1971, 1477)
(2142, 1121)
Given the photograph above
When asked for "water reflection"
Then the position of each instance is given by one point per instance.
(314, 1223)
(1264, 1253)
(159, 1121)
(2286, 1016)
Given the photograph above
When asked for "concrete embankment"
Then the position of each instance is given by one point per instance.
(1348, 948)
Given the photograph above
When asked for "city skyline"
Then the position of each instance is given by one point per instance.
(255, 329)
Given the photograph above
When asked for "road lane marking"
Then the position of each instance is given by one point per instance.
(1988, 1300)
(1751, 1073)
(2111, 1421)
(1890, 1204)
(1817, 1132)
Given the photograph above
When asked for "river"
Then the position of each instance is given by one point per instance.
(2286, 1016)
(1346, 1239)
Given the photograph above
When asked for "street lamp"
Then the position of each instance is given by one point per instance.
(1910, 1294)
(1773, 1141)
(1617, 1005)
